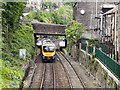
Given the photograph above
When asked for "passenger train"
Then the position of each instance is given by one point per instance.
(48, 50)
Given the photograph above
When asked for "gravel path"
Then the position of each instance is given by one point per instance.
(36, 82)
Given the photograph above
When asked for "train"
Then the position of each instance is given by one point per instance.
(48, 50)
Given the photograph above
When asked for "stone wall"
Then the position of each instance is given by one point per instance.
(98, 70)
(95, 67)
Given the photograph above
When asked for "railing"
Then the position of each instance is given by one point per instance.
(90, 49)
(110, 63)
(83, 46)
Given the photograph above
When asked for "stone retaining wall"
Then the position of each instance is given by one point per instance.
(99, 70)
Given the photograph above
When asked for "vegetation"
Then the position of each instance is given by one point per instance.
(116, 86)
(92, 42)
(19, 36)
(73, 32)
(49, 5)
(15, 36)
(68, 51)
(60, 16)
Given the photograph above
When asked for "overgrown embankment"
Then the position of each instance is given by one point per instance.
(15, 36)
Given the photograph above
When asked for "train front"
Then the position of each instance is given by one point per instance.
(48, 52)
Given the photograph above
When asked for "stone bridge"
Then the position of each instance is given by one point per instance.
(46, 29)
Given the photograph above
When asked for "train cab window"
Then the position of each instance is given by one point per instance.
(48, 48)
(51, 49)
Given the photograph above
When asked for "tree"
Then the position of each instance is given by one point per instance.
(11, 16)
(74, 31)
(10, 24)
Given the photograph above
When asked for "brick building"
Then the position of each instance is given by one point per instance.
(97, 24)
(89, 13)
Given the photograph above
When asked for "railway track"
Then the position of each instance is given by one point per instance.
(60, 74)
(74, 78)
(48, 77)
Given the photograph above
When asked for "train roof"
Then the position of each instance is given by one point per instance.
(47, 41)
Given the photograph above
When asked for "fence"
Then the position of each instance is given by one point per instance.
(105, 59)
(108, 62)
(90, 49)
(83, 46)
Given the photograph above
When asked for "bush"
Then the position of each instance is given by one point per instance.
(10, 76)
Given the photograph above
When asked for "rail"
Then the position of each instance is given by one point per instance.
(82, 83)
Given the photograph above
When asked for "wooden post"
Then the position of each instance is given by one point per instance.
(80, 46)
(115, 30)
(111, 53)
(87, 46)
(94, 50)
(119, 29)
(114, 54)
(117, 56)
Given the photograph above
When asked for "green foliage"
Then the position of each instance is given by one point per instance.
(61, 37)
(89, 58)
(49, 5)
(11, 73)
(105, 76)
(110, 82)
(92, 42)
(21, 38)
(10, 76)
(68, 51)
(11, 16)
(60, 16)
(73, 32)
(68, 3)
(116, 86)
(93, 56)
(95, 65)
(15, 37)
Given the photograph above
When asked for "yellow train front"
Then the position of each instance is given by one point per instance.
(48, 50)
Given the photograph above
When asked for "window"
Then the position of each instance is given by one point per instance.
(48, 48)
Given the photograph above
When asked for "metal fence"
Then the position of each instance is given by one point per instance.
(83, 46)
(90, 49)
(108, 62)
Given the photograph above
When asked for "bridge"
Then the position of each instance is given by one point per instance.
(46, 29)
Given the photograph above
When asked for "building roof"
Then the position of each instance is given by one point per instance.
(108, 6)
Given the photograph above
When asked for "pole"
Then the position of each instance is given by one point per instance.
(101, 28)
(96, 8)
(115, 30)
(96, 15)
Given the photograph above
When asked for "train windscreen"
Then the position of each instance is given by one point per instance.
(48, 48)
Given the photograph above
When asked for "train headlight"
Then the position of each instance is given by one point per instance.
(53, 54)
(44, 54)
